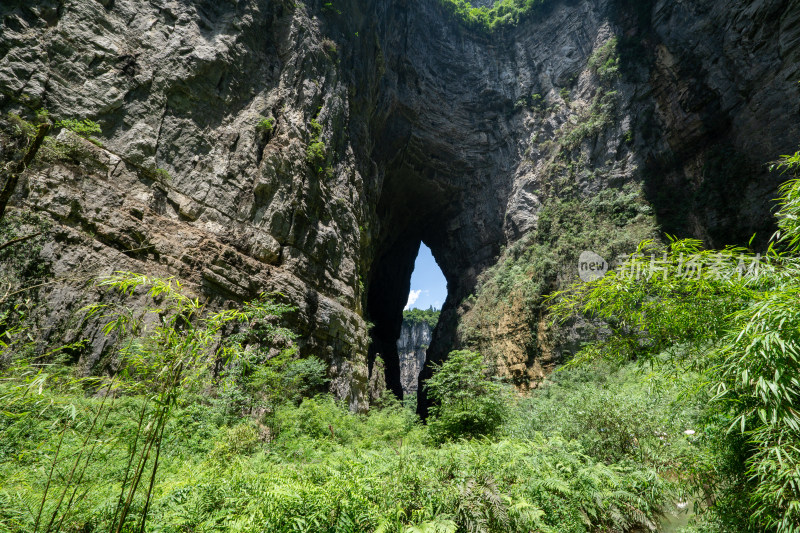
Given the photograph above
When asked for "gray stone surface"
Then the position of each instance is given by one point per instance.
(415, 337)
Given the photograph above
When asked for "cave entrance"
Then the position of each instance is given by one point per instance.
(427, 294)
(407, 283)
(434, 192)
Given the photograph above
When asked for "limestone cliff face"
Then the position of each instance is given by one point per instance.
(415, 337)
(181, 86)
(430, 132)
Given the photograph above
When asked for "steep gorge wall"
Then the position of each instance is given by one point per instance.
(432, 132)
(180, 87)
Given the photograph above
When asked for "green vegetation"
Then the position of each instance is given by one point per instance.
(502, 13)
(265, 125)
(618, 413)
(21, 143)
(593, 121)
(733, 316)
(329, 7)
(49, 150)
(330, 47)
(22, 237)
(605, 60)
(162, 175)
(20, 126)
(84, 128)
(467, 402)
(429, 316)
(545, 258)
(317, 152)
(211, 424)
(316, 155)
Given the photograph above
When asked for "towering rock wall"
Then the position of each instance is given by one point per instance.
(393, 124)
(186, 183)
(415, 337)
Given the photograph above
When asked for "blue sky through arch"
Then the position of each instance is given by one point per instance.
(428, 286)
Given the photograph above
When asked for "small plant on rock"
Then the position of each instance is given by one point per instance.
(316, 152)
(329, 46)
(84, 128)
(265, 125)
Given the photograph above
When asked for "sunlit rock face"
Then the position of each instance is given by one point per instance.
(415, 337)
(430, 132)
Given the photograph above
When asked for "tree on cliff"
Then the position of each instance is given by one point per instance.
(12, 171)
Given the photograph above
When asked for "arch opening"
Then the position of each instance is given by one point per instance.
(413, 210)
(429, 195)
(406, 296)
(420, 317)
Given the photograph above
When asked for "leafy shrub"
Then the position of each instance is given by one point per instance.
(467, 402)
(241, 439)
(265, 125)
(605, 60)
(162, 175)
(316, 155)
(317, 152)
(69, 149)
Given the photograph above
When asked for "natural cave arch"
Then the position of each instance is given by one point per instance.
(426, 205)
(445, 162)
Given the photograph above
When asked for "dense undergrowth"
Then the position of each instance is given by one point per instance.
(314, 466)
(733, 316)
(212, 423)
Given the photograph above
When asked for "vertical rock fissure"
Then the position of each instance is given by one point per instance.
(400, 344)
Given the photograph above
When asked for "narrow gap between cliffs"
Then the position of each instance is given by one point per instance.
(426, 296)
(406, 292)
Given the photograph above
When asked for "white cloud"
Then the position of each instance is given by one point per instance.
(412, 297)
